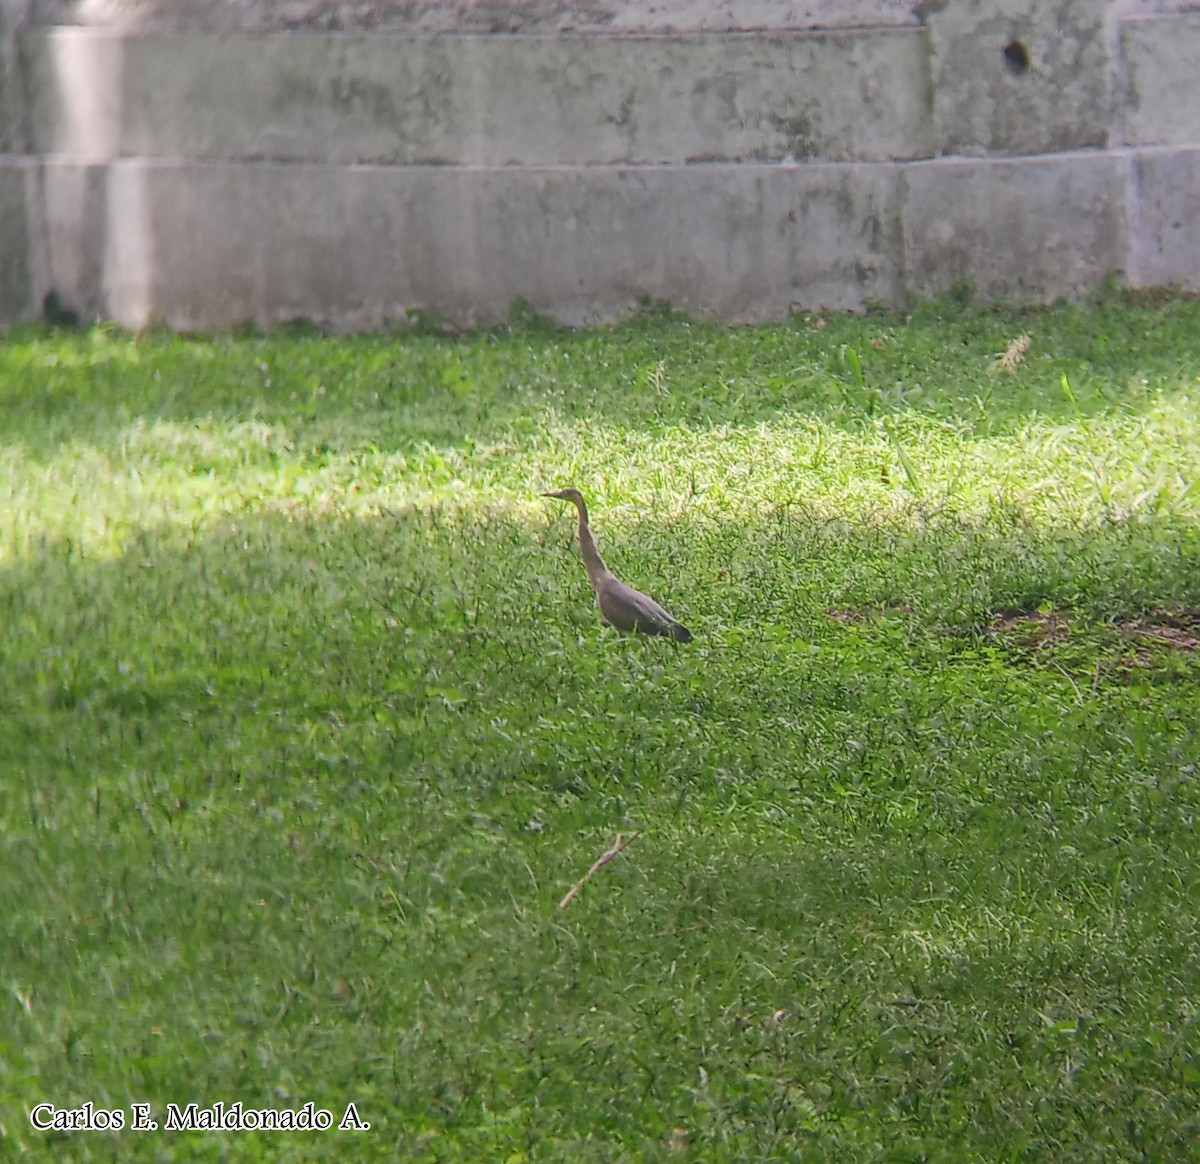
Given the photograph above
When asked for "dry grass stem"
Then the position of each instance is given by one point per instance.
(1014, 355)
(620, 844)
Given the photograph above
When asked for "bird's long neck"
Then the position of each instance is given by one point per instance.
(597, 570)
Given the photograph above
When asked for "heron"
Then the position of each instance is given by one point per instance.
(622, 606)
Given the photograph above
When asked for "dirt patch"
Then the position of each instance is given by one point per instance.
(1178, 629)
(1031, 630)
(1167, 629)
(848, 616)
(1167, 632)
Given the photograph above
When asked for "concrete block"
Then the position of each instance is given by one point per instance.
(209, 245)
(495, 17)
(1027, 228)
(1161, 79)
(75, 221)
(846, 96)
(8, 111)
(742, 243)
(1018, 76)
(472, 100)
(17, 193)
(1165, 216)
(73, 83)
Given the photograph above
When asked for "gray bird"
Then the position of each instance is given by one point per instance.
(625, 608)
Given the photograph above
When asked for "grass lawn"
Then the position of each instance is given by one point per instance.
(307, 724)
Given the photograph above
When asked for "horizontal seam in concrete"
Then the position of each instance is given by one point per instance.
(1080, 155)
(799, 32)
(965, 160)
(733, 164)
(1159, 17)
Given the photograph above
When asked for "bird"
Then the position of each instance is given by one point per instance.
(622, 606)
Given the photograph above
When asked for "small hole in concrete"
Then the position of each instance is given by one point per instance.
(1016, 57)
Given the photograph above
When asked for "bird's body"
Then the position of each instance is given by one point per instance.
(622, 606)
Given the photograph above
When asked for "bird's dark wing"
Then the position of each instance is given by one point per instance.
(630, 610)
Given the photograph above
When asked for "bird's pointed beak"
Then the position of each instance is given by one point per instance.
(555, 494)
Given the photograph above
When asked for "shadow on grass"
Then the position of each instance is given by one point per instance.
(275, 620)
(289, 804)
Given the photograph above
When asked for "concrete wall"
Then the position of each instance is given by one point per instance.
(214, 161)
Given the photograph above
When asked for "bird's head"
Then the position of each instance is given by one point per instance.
(572, 495)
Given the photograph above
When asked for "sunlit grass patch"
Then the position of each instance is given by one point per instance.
(1071, 475)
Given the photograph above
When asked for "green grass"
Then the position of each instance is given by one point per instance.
(307, 723)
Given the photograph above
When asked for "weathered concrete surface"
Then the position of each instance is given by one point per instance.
(75, 221)
(481, 100)
(74, 93)
(8, 115)
(11, 106)
(1027, 228)
(1162, 79)
(17, 194)
(984, 102)
(1166, 211)
(424, 17)
(209, 245)
(593, 157)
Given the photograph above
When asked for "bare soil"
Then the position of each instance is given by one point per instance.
(1168, 629)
